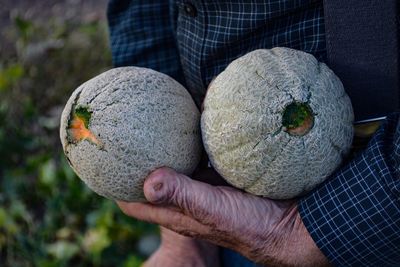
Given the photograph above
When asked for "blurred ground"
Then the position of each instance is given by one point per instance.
(42, 10)
(48, 217)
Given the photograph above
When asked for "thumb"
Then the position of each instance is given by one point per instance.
(196, 199)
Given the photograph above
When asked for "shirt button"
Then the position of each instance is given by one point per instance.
(189, 9)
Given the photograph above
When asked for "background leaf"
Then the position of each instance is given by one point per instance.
(48, 216)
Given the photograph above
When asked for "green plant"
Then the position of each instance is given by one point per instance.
(48, 217)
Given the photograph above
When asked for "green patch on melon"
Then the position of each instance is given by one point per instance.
(84, 114)
(298, 118)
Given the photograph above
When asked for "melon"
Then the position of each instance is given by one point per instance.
(276, 123)
(126, 122)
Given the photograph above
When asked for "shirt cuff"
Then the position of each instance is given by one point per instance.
(354, 217)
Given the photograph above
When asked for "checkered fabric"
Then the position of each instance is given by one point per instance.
(354, 217)
(143, 34)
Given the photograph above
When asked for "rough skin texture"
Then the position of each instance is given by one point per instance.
(143, 120)
(242, 123)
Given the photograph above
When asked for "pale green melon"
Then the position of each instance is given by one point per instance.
(121, 125)
(276, 123)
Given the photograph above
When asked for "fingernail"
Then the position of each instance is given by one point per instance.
(155, 193)
(158, 186)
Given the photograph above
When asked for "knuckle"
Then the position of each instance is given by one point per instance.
(173, 190)
(207, 217)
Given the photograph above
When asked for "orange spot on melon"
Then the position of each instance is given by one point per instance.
(78, 131)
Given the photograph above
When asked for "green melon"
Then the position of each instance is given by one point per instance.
(276, 123)
(121, 125)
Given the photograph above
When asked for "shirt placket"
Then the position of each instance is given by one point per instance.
(191, 34)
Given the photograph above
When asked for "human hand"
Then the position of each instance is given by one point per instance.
(265, 231)
(180, 251)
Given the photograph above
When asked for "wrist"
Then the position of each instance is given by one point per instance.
(298, 246)
(187, 251)
(285, 241)
(312, 254)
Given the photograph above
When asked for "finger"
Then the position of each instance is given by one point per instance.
(177, 222)
(167, 217)
(201, 201)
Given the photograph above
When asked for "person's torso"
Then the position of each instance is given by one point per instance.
(211, 34)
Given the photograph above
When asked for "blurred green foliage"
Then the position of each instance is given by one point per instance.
(48, 217)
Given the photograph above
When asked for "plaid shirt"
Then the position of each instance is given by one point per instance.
(354, 217)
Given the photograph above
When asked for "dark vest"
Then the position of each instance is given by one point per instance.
(363, 50)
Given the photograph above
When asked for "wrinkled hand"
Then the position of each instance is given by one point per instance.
(265, 231)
